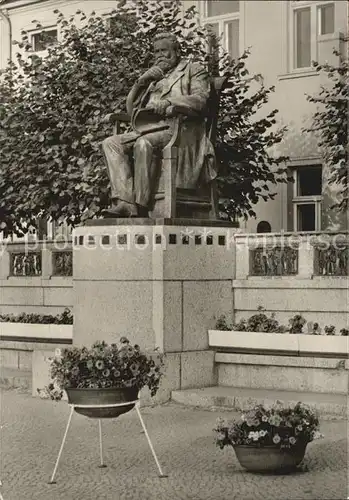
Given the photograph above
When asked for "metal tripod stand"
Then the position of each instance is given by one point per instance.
(73, 406)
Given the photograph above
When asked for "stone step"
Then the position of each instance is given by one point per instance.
(11, 378)
(241, 398)
(285, 373)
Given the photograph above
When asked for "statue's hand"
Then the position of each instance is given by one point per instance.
(153, 73)
(160, 107)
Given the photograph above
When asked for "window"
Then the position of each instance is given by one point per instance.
(307, 198)
(263, 227)
(326, 19)
(310, 21)
(44, 39)
(218, 8)
(223, 18)
(306, 217)
(309, 181)
(302, 38)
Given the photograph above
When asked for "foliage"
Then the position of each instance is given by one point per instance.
(104, 365)
(65, 318)
(53, 165)
(315, 329)
(279, 425)
(296, 323)
(261, 322)
(223, 324)
(330, 121)
(330, 330)
(52, 391)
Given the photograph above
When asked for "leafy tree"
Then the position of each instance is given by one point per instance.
(52, 110)
(330, 121)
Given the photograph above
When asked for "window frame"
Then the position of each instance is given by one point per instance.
(32, 33)
(315, 31)
(298, 200)
(294, 56)
(221, 20)
(319, 19)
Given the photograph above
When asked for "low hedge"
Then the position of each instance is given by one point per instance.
(260, 322)
(65, 318)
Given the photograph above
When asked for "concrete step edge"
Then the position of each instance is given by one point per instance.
(240, 402)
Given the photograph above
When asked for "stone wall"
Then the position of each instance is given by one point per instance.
(36, 277)
(293, 273)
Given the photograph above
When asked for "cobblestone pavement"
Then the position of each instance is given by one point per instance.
(32, 430)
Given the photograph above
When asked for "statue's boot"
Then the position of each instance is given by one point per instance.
(143, 211)
(122, 209)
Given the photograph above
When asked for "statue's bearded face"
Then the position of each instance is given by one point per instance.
(166, 54)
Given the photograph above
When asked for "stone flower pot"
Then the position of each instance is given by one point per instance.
(97, 397)
(269, 458)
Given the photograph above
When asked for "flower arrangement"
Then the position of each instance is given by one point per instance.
(279, 426)
(261, 322)
(104, 366)
(65, 318)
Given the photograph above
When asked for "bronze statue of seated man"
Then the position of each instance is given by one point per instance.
(173, 85)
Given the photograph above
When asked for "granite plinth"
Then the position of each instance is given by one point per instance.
(160, 285)
(145, 221)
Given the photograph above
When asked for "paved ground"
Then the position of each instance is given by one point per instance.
(32, 430)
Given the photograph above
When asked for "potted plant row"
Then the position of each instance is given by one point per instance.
(33, 325)
(264, 332)
(99, 377)
(270, 438)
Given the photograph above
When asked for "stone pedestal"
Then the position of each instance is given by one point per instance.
(161, 283)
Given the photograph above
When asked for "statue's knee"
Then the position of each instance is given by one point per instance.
(111, 142)
(106, 143)
(141, 145)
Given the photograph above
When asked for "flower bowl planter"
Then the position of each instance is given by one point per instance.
(269, 458)
(96, 398)
(281, 343)
(36, 331)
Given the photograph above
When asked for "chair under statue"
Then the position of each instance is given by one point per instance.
(169, 200)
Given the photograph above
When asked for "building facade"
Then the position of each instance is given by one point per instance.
(284, 38)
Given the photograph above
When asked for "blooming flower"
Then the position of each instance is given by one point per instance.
(220, 436)
(264, 418)
(299, 428)
(275, 420)
(89, 364)
(263, 433)
(292, 440)
(252, 421)
(100, 364)
(276, 439)
(317, 435)
(75, 371)
(106, 372)
(134, 369)
(254, 435)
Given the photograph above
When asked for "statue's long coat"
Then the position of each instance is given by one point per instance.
(188, 87)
